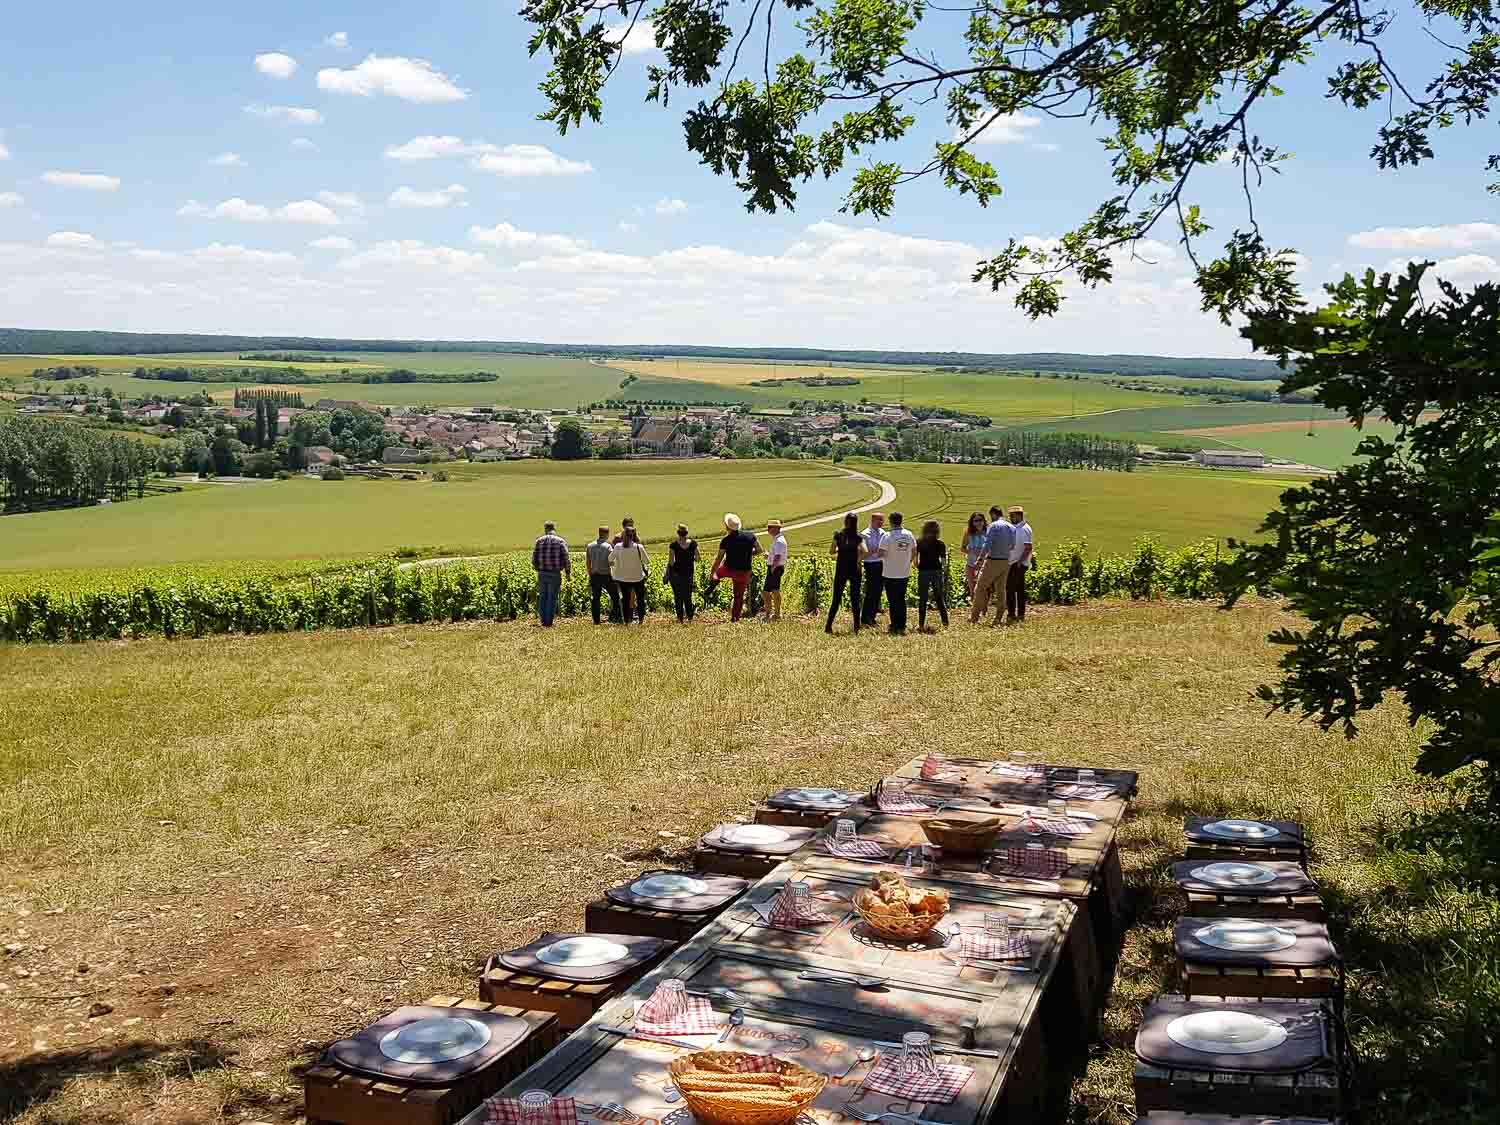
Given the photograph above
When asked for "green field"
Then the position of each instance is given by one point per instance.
(1110, 510)
(483, 509)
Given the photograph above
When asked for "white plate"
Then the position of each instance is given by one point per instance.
(1240, 829)
(1244, 935)
(438, 1039)
(755, 834)
(1225, 1032)
(669, 886)
(582, 952)
(840, 797)
(1234, 874)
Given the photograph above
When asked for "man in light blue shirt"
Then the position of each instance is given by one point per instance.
(874, 537)
(1000, 538)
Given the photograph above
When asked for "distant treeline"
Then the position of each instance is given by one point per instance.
(67, 371)
(246, 396)
(810, 381)
(1066, 451)
(297, 357)
(14, 341)
(58, 464)
(306, 378)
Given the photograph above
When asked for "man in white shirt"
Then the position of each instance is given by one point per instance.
(1020, 562)
(874, 537)
(775, 567)
(896, 551)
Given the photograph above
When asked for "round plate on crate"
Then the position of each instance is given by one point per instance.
(1232, 875)
(754, 834)
(1245, 935)
(1226, 1032)
(582, 952)
(1247, 830)
(669, 886)
(434, 1040)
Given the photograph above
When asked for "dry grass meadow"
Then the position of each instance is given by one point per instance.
(244, 847)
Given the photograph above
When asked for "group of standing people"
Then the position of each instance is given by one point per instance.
(868, 564)
(618, 568)
(878, 561)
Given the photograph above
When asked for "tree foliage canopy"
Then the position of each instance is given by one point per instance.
(1383, 557)
(1172, 85)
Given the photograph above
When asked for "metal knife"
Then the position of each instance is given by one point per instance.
(627, 1033)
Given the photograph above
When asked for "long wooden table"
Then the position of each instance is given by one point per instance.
(824, 1025)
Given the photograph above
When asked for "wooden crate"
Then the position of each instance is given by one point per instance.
(795, 818)
(575, 1002)
(1245, 853)
(1313, 1093)
(1208, 979)
(1308, 906)
(336, 1097)
(747, 865)
(604, 916)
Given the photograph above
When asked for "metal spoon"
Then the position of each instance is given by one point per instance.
(865, 1054)
(736, 1018)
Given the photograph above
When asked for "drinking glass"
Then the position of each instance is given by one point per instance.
(1057, 807)
(916, 859)
(997, 924)
(534, 1105)
(799, 890)
(843, 830)
(1086, 777)
(673, 995)
(916, 1055)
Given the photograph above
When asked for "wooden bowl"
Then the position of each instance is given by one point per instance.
(894, 927)
(963, 837)
(725, 1108)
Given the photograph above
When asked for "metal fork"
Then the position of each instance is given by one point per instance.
(614, 1109)
(865, 1115)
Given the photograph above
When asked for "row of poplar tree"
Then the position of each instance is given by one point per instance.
(45, 463)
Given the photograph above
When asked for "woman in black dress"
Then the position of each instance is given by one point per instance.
(682, 568)
(849, 549)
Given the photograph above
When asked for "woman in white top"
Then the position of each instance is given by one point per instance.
(775, 568)
(627, 562)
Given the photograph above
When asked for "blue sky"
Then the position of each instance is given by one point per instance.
(348, 169)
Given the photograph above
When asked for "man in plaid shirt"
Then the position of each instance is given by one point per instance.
(550, 559)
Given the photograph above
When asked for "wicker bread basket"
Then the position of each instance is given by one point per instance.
(963, 837)
(730, 1108)
(893, 927)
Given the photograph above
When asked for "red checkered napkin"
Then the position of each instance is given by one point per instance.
(699, 1018)
(935, 766)
(789, 912)
(1048, 863)
(856, 849)
(893, 798)
(1055, 825)
(1020, 773)
(986, 947)
(1084, 792)
(939, 1089)
(507, 1111)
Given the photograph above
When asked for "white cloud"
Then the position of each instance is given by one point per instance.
(274, 64)
(342, 200)
(530, 160)
(414, 254)
(628, 228)
(331, 242)
(297, 115)
(441, 197)
(412, 80)
(1047, 146)
(635, 40)
(670, 206)
(73, 240)
(502, 160)
(303, 144)
(504, 236)
(339, 41)
(10, 199)
(1008, 129)
(306, 211)
(234, 253)
(228, 160)
(4, 152)
(88, 181)
(1456, 236)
